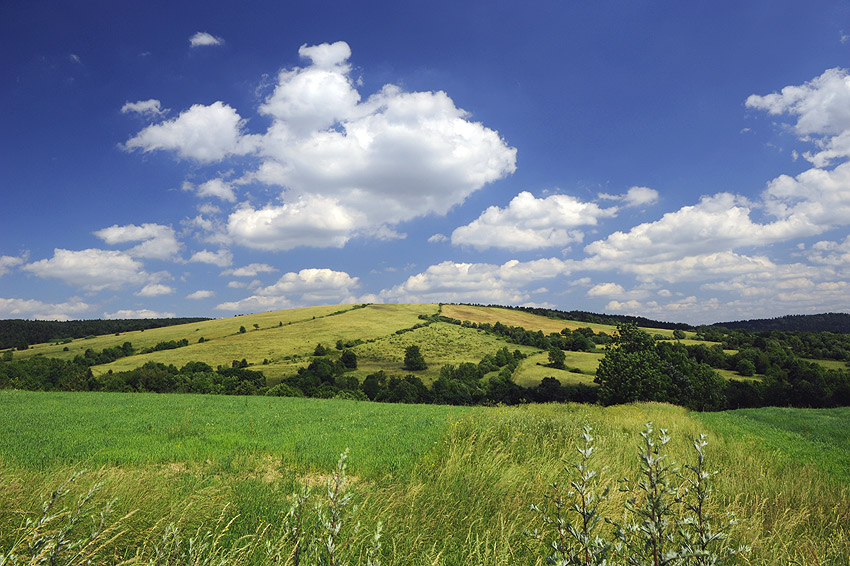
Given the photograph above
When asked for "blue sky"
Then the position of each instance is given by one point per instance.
(681, 161)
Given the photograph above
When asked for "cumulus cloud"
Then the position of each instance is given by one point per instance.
(371, 163)
(90, 269)
(476, 282)
(201, 294)
(203, 133)
(151, 107)
(822, 109)
(437, 238)
(221, 258)
(140, 313)
(204, 39)
(157, 241)
(155, 290)
(309, 221)
(718, 222)
(529, 223)
(251, 270)
(34, 309)
(306, 287)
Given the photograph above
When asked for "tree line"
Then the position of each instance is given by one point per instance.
(20, 334)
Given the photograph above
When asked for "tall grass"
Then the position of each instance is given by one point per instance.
(459, 493)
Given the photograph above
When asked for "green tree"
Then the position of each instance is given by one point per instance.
(557, 357)
(348, 359)
(413, 359)
(632, 370)
(242, 330)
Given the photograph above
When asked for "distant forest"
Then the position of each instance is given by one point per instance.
(22, 333)
(593, 318)
(827, 322)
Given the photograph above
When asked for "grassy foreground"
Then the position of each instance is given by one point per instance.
(451, 485)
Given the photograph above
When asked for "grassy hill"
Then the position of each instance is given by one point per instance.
(283, 341)
(450, 485)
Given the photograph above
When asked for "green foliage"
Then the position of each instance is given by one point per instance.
(556, 357)
(242, 330)
(668, 522)
(348, 359)
(413, 359)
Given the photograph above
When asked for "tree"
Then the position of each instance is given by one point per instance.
(256, 326)
(557, 357)
(679, 334)
(320, 350)
(242, 330)
(348, 359)
(632, 369)
(413, 359)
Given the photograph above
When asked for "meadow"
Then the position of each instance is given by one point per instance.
(449, 485)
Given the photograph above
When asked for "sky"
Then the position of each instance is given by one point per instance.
(682, 161)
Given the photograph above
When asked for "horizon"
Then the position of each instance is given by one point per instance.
(672, 162)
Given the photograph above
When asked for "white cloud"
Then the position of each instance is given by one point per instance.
(157, 241)
(635, 196)
(822, 105)
(90, 269)
(306, 287)
(606, 290)
(8, 263)
(203, 133)
(640, 196)
(251, 270)
(221, 258)
(151, 107)
(203, 39)
(34, 309)
(476, 282)
(719, 222)
(201, 294)
(218, 188)
(816, 200)
(529, 223)
(309, 221)
(376, 163)
(437, 238)
(140, 313)
(155, 290)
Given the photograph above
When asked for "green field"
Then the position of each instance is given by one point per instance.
(450, 485)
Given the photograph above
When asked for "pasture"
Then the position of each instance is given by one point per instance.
(450, 485)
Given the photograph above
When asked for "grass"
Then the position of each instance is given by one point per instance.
(450, 485)
(276, 343)
(440, 344)
(532, 369)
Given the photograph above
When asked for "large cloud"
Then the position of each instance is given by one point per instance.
(306, 287)
(362, 166)
(91, 269)
(529, 223)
